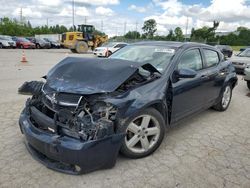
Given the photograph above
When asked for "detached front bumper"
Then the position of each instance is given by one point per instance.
(69, 155)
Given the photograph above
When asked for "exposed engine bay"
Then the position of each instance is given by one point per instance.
(85, 117)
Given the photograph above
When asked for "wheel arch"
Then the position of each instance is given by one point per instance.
(160, 107)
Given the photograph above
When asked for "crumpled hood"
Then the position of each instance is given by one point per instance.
(91, 75)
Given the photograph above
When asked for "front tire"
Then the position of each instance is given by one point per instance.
(225, 99)
(81, 47)
(144, 133)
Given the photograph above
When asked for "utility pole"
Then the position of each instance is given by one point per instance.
(125, 27)
(102, 26)
(73, 14)
(186, 29)
(48, 22)
(21, 15)
(136, 25)
(85, 19)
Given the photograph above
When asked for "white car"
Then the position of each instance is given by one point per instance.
(7, 42)
(109, 48)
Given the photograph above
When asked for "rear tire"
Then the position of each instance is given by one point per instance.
(248, 84)
(81, 47)
(140, 140)
(1, 46)
(225, 99)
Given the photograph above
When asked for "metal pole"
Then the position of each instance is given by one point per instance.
(73, 14)
(186, 29)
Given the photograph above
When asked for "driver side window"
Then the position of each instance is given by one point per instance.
(191, 59)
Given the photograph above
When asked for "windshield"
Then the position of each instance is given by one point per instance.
(41, 40)
(158, 56)
(245, 53)
(23, 40)
(108, 44)
(5, 38)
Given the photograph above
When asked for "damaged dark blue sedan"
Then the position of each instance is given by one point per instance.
(88, 110)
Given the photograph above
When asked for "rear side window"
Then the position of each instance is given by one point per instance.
(212, 57)
(191, 59)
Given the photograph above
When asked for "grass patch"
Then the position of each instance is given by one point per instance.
(237, 48)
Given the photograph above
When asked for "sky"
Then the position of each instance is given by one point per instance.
(115, 17)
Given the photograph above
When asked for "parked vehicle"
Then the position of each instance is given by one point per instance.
(83, 39)
(7, 42)
(225, 49)
(40, 43)
(109, 48)
(241, 60)
(53, 44)
(90, 108)
(242, 49)
(247, 75)
(23, 43)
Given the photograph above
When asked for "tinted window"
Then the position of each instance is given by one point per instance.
(191, 59)
(212, 57)
(245, 53)
(120, 45)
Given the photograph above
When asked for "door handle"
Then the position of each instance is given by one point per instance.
(204, 76)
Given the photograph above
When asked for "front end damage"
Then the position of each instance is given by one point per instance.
(75, 129)
(69, 134)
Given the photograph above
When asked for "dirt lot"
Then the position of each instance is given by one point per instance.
(208, 150)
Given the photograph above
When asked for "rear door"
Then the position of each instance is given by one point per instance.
(216, 74)
(189, 93)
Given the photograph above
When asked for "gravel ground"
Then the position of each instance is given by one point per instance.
(211, 149)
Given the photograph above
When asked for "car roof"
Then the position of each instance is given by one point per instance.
(172, 44)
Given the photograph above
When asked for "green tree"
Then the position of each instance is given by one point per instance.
(14, 28)
(97, 32)
(178, 34)
(132, 35)
(170, 35)
(149, 28)
(205, 34)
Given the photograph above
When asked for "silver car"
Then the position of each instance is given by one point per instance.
(241, 60)
(247, 75)
(7, 42)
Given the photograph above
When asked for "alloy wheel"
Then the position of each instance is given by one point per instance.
(142, 134)
(226, 97)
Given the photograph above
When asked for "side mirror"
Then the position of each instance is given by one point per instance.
(186, 73)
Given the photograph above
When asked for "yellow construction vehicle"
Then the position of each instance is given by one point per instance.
(83, 39)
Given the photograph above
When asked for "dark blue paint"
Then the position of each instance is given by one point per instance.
(173, 96)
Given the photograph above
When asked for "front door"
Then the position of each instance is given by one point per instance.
(189, 93)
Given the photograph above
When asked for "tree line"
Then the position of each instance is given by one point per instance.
(13, 27)
(240, 37)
